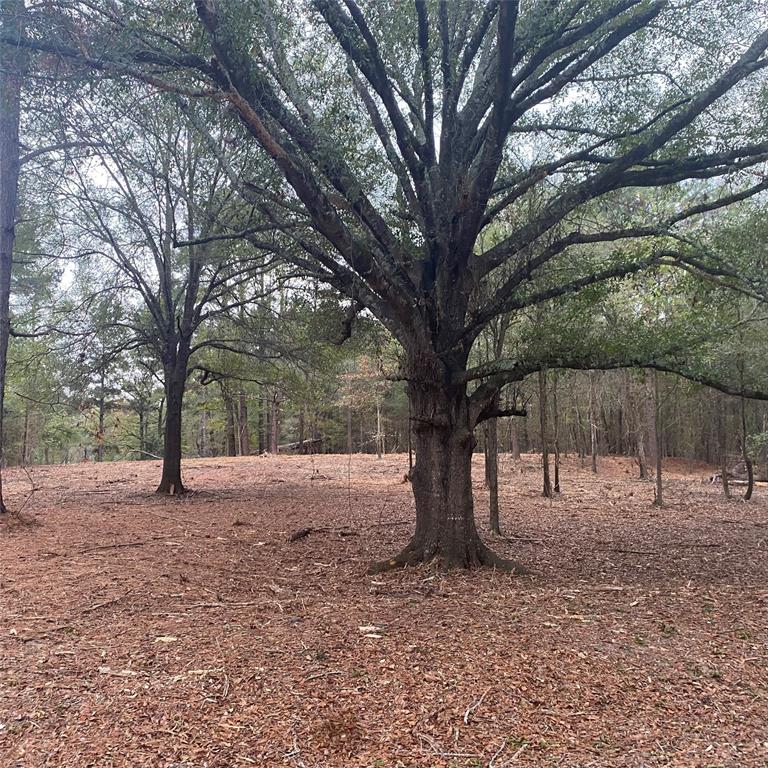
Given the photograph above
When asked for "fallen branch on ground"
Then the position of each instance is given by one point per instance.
(302, 533)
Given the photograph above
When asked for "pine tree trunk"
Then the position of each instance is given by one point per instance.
(745, 453)
(229, 405)
(202, 434)
(492, 459)
(514, 441)
(641, 460)
(11, 67)
(378, 429)
(650, 418)
(442, 476)
(263, 422)
(723, 440)
(230, 422)
(635, 437)
(659, 500)
(593, 420)
(274, 425)
(142, 433)
(242, 423)
(547, 486)
(25, 438)
(556, 436)
(102, 414)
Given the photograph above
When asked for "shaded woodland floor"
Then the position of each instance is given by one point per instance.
(145, 631)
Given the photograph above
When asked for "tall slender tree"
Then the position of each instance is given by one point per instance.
(155, 224)
(12, 63)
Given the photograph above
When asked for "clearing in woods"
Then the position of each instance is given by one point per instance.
(139, 630)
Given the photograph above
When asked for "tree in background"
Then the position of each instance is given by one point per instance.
(154, 231)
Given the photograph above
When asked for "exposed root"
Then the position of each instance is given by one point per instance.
(475, 555)
(491, 560)
(407, 558)
(171, 489)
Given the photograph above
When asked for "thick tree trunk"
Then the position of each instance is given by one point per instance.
(175, 385)
(11, 67)
(442, 481)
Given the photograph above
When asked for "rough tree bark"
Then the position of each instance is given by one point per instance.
(635, 431)
(443, 428)
(175, 370)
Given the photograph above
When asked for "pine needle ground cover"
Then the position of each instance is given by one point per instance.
(140, 630)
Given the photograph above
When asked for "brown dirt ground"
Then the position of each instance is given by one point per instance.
(189, 632)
